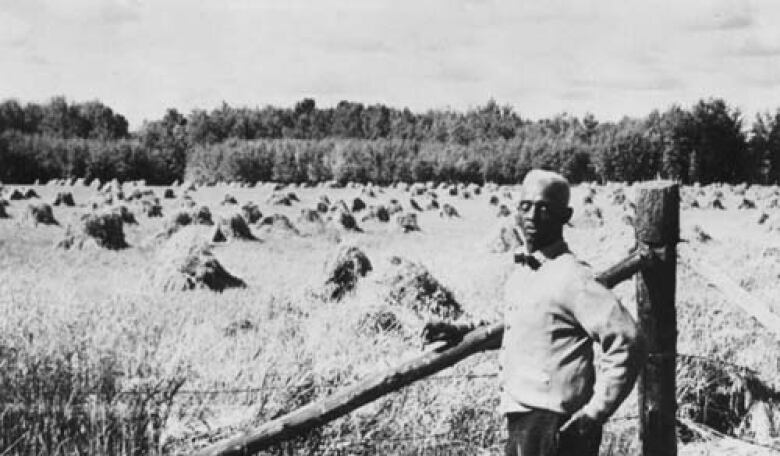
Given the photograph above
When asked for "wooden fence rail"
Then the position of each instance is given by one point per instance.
(734, 293)
(653, 230)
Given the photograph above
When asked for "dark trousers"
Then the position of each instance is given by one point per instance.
(535, 433)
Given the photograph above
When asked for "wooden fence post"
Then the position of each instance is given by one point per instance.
(658, 227)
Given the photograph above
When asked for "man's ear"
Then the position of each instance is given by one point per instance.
(566, 216)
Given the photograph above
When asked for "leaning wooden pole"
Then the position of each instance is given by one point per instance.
(343, 402)
(658, 228)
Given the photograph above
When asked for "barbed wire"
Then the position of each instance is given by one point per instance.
(72, 410)
(307, 385)
(717, 361)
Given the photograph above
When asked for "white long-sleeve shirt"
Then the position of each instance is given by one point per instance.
(553, 317)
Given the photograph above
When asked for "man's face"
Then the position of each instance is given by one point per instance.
(542, 215)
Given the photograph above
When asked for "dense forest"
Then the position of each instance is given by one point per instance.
(707, 142)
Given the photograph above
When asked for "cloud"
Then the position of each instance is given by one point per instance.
(733, 22)
(436, 44)
(120, 12)
(576, 95)
(634, 83)
(16, 42)
(766, 81)
(456, 73)
(14, 31)
(545, 13)
(327, 85)
(39, 60)
(756, 48)
(355, 45)
(723, 21)
(103, 12)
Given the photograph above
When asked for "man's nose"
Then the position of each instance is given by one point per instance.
(531, 213)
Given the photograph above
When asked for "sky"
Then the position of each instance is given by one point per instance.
(608, 57)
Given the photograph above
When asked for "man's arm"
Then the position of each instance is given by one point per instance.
(606, 321)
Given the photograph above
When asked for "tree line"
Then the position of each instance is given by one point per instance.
(707, 142)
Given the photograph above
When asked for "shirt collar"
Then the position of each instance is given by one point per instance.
(551, 251)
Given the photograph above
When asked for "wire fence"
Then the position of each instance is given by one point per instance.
(214, 391)
(437, 443)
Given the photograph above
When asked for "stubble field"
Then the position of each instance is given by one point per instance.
(98, 358)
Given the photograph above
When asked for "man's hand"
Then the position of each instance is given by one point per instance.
(436, 331)
(579, 425)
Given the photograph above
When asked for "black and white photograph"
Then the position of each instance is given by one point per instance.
(389, 227)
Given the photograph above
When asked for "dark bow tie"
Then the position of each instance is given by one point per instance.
(528, 260)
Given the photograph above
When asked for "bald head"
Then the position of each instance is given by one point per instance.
(552, 186)
(544, 208)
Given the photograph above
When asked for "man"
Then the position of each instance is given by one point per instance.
(554, 403)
